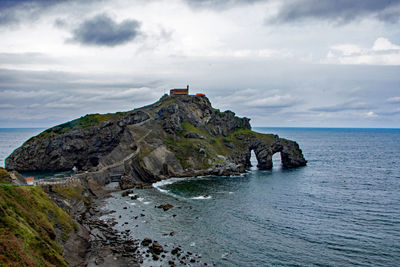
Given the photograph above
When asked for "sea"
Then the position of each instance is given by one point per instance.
(342, 209)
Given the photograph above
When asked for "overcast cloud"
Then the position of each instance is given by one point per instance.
(280, 63)
(339, 11)
(102, 30)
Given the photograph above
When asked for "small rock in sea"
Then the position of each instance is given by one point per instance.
(141, 214)
(126, 223)
(119, 216)
(165, 207)
(136, 217)
(192, 260)
(131, 249)
(175, 251)
(98, 261)
(125, 208)
(126, 193)
(147, 241)
(155, 257)
(134, 197)
(190, 253)
(157, 248)
(147, 255)
(173, 215)
(171, 263)
(162, 256)
(172, 233)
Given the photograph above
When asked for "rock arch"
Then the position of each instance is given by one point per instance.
(291, 154)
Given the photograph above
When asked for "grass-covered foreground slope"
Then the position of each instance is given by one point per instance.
(31, 224)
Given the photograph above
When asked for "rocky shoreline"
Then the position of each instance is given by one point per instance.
(98, 242)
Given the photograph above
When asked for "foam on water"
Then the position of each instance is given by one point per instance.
(201, 197)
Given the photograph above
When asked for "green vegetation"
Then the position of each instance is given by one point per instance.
(83, 122)
(28, 223)
(4, 176)
(74, 193)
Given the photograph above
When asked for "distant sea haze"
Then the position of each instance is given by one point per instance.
(342, 209)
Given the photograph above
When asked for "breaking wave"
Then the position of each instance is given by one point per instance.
(201, 197)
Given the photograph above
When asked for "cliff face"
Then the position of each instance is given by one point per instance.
(176, 136)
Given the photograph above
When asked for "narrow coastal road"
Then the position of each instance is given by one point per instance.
(122, 162)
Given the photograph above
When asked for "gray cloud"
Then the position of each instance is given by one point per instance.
(343, 107)
(219, 3)
(394, 100)
(339, 11)
(45, 98)
(12, 12)
(101, 30)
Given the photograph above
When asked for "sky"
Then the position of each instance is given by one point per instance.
(288, 63)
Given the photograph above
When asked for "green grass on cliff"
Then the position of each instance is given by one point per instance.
(196, 153)
(83, 122)
(4, 176)
(74, 193)
(28, 223)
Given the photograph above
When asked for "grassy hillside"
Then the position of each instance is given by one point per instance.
(30, 226)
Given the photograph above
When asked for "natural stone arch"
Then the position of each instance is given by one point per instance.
(290, 152)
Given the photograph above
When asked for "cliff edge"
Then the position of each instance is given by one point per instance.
(175, 137)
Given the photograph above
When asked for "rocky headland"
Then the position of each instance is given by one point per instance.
(178, 136)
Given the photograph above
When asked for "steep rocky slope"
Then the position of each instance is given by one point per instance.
(176, 136)
(32, 227)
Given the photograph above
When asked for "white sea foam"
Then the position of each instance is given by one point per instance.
(162, 183)
(140, 199)
(147, 202)
(167, 182)
(202, 197)
(225, 256)
(192, 244)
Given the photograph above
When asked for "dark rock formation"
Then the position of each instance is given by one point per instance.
(61, 148)
(165, 207)
(174, 137)
(192, 135)
(147, 241)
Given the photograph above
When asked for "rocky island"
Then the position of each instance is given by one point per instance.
(61, 223)
(178, 136)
